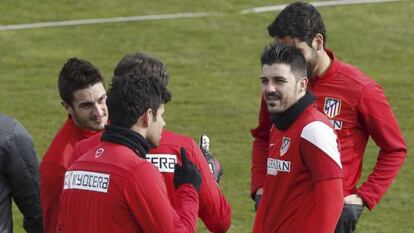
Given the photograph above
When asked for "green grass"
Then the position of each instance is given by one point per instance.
(214, 68)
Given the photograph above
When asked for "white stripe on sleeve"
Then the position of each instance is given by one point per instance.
(323, 137)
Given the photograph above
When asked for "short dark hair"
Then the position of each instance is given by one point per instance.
(130, 96)
(285, 54)
(77, 74)
(298, 20)
(140, 63)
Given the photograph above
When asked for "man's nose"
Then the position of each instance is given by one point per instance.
(269, 88)
(98, 109)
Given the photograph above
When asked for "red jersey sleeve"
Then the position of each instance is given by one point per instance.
(260, 148)
(149, 203)
(329, 208)
(319, 150)
(51, 185)
(379, 120)
(215, 211)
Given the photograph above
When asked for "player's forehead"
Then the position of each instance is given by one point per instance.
(89, 94)
(276, 70)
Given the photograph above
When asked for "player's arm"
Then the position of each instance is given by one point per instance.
(215, 210)
(379, 120)
(149, 203)
(329, 208)
(23, 177)
(260, 148)
(51, 184)
(320, 153)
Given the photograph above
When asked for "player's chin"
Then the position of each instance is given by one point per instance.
(275, 110)
(97, 125)
(154, 143)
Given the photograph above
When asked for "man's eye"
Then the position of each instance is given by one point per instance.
(85, 106)
(102, 99)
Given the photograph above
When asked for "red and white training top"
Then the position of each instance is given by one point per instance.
(299, 157)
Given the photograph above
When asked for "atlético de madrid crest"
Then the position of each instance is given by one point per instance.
(284, 146)
(332, 107)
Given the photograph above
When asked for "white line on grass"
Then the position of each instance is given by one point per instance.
(316, 4)
(175, 16)
(105, 20)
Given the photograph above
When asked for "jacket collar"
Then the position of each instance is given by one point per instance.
(128, 138)
(284, 120)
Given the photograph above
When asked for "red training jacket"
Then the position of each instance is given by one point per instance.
(53, 167)
(112, 189)
(215, 210)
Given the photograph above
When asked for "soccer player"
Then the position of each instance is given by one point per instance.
(215, 211)
(355, 105)
(19, 177)
(113, 188)
(83, 95)
(303, 185)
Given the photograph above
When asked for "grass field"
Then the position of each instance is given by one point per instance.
(214, 67)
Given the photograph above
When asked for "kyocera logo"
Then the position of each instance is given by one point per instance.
(164, 162)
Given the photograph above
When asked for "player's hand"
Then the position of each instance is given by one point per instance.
(257, 198)
(187, 173)
(213, 163)
(354, 199)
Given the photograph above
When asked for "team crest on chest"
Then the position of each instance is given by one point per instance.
(284, 146)
(332, 107)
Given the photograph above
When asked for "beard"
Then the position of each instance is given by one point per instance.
(90, 123)
(312, 64)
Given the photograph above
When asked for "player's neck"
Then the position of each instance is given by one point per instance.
(324, 63)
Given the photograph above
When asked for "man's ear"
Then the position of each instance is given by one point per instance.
(147, 118)
(318, 43)
(302, 84)
(67, 107)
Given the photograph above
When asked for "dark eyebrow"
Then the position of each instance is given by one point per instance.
(88, 103)
(84, 104)
(278, 78)
(275, 78)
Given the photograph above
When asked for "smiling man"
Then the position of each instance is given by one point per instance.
(302, 189)
(83, 95)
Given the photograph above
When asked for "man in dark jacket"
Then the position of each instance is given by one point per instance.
(19, 177)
